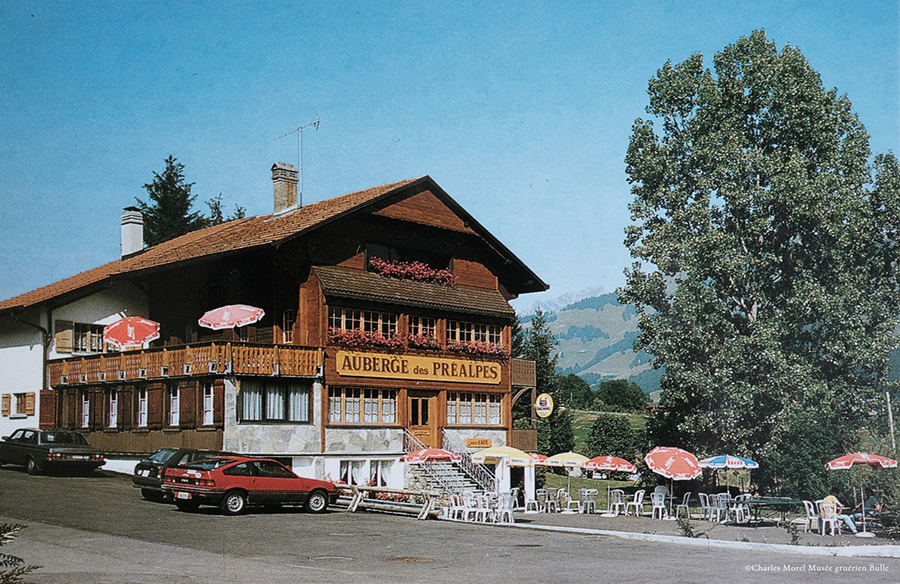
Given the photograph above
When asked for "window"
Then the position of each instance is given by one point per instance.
(422, 326)
(141, 416)
(272, 401)
(288, 318)
(344, 319)
(88, 338)
(351, 472)
(353, 405)
(487, 333)
(18, 405)
(482, 409)
(380, 473)
(383, 323)
(206, 413)
(112, 408)
(459, 331)
(174, 410)
(85, 409)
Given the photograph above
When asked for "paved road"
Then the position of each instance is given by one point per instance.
(98, 529)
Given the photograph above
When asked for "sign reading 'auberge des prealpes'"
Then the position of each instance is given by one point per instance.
(386, 366)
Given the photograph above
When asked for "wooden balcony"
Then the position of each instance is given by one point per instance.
(188, 361)
(523, 373)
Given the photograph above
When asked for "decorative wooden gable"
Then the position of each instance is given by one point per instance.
(426, 209)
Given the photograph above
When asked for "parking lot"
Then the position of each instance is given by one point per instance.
(98, 529)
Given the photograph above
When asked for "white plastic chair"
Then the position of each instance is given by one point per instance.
(637, 503)
(809, 520)
(740, 509)
(574, 505)
(504, 510)
(683, 505)
(589, 501)
(617, 501)
(457, 507)
(828, 516)
(541, 496)
(706, 506)
(722, 506)
(658, 506)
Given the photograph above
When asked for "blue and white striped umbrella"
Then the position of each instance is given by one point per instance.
(728, 461)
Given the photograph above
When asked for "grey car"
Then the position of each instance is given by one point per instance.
(149, 472)
(45, 450)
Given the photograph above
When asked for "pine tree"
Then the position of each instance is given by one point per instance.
(168, 213)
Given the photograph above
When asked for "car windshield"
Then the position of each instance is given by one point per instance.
(162, 455)
(63, 438)
(208, 464)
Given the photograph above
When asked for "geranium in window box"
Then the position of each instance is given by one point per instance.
(358, 338)
(426, 342)
(417, 271)
(477, 348)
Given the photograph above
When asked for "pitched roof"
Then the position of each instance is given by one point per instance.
(344, 282)
(240, 234)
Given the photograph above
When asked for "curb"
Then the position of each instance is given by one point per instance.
(855, 551)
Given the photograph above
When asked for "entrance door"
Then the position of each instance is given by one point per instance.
(423, 419)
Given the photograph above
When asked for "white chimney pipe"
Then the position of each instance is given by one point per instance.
(132, 231)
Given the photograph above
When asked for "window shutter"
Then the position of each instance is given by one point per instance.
(219, 402)
(29, 404)
(65, 336)
(155, 398)
(4, 410)
(188, 404)
(48, 409)
(126, 406)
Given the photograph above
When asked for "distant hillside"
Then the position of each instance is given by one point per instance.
(595, 336)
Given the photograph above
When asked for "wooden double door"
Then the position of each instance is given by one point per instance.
(422, 418)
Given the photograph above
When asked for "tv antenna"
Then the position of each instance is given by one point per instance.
(299, 130)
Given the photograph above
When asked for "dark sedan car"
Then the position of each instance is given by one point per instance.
(148, 473)
(234, 483)
(43, 450)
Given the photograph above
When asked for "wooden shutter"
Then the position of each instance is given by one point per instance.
(188, 404)
(48, 410)
(4, 408)
(29, 403)
(126, 406)
(156, 398)
(219, 402)
(65, 336)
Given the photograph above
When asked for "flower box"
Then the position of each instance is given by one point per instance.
(417, 271)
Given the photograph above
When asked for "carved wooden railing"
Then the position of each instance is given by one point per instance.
(188, 361)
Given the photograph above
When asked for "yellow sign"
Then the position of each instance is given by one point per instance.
(543, 405)
(416, 367)
(479, 443)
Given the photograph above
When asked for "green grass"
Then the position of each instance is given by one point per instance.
(554, 481)
(582, 420)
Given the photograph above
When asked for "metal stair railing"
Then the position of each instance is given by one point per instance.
(477, 472)
(411, 444)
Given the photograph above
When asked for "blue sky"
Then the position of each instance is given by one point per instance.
(521, 110)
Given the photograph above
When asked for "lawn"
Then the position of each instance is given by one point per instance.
(582, 420)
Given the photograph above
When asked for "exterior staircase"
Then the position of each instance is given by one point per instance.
(450, 477)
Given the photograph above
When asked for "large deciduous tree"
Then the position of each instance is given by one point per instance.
(766, 250)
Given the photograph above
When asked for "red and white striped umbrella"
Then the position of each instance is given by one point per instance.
(673, 463)
(849, 460)
(231, 316)
(430, 454)
(131, 331)
(539, 459)
(609, 463)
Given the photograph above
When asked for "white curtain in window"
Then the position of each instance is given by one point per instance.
(207, 405)
(334, 406)
(174, 407)
(113, 409)
(275, 403)
(494, 409)
(298, 404)
(356, 467)
(351, 405)
(384, 472)
(142, 408)
(370, 406)
(252, 401)
(388, 406)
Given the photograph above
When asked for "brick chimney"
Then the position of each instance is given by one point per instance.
(284, 179)
(132, 231)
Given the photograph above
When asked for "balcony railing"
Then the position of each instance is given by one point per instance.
(188, 361)
(523, 373)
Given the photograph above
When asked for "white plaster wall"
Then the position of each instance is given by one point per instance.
(21, 370)
(105, 307)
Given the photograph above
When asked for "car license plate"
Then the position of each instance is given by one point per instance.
(144, 472)
(182, 495)
(78, 457)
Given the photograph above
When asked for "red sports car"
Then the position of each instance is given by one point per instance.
(234, 483)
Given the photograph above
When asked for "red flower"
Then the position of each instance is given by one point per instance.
(417, 271)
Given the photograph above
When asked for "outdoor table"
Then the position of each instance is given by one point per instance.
(771, 507)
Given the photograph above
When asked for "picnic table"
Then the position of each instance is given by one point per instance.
(771, 508)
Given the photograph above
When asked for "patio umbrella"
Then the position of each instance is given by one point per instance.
(728, 461)
(567, 460)
(539, 459)
(861, 458)
(502, 456)
(673, 463)
(132, 331)
(231, 316)
(430, 454)
(609, 464)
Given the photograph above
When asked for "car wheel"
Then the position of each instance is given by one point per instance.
(234, 503)
(187, 505)
(317, 502)
(32, 466)
(151, 495)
